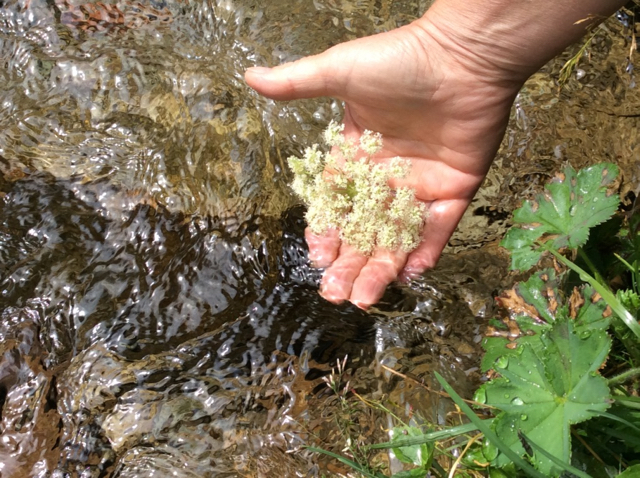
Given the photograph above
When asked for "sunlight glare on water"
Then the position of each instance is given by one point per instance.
(157, 312)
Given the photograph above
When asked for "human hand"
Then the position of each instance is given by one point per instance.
(436, 104)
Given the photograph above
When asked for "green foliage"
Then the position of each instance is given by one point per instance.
(534, 305)
(571, 204)
(604, 291)
(544, 390)
(630, 300)
(419, 455)
(484, 427)
(549, 348)
(631, 472)
(615, 432)
(545, 354)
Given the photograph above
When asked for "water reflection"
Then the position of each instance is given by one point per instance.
(158, 314)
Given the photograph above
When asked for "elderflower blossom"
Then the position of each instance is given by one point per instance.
(370, 142)
(354, 196)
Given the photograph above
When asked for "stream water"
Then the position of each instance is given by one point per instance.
(158, 316)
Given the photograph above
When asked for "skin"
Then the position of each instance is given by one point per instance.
(440, 91)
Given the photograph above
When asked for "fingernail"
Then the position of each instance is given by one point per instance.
(360, 305)
(330, 293)
(334, 299)
(409, 274)
(258, 70)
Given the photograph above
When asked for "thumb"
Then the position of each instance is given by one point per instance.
(305, 78)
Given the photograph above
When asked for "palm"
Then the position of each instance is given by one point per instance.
(431, 110)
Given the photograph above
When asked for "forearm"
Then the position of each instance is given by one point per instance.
(515, 37)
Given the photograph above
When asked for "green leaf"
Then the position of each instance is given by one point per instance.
(606, 294)
(519, 242)
(589, 309)
(486, 429)
(570, 205)
(501, 473)
(419, 454)
(445, 434)
(565, 467)
(532, 307)
(544, 391)
(631, 472)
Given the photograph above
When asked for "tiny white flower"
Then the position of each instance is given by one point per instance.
(355, 196)
(370, 142)
(399, 167)
(333, 134)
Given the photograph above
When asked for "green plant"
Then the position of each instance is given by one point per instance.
(548, 375)
(360, 455)
(557, 377)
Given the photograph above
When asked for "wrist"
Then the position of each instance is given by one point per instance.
(506, 41)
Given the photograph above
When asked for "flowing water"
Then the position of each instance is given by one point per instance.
(158, 316)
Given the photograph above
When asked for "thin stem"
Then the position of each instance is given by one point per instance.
(456, 463)
(602, 289)
(624, 376)
(586, 445)
(591, 265)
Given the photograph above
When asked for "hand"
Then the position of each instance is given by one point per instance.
(437, 104)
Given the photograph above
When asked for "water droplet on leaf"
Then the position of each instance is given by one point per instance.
(489, 450)
(502, 362)
(480, 396)
(517, 401)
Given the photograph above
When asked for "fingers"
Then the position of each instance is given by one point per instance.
(357, 278)
(362, 280)
(323, 250)
(338, 279)
(444, 216)
(306, 78)
(380, 270)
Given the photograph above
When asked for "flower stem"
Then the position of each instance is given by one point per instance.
(624, 376)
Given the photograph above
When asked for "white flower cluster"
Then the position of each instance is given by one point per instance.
(355, 197)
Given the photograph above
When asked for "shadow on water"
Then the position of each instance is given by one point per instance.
(158, 315)
(106, 323)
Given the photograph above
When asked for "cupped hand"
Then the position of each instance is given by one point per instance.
(436, 103)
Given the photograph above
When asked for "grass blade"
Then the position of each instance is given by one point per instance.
(616, 418)
(629, 402)
(428, 437)
(624, 437)
(565, 466)
(346, 461)
(484, 427)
